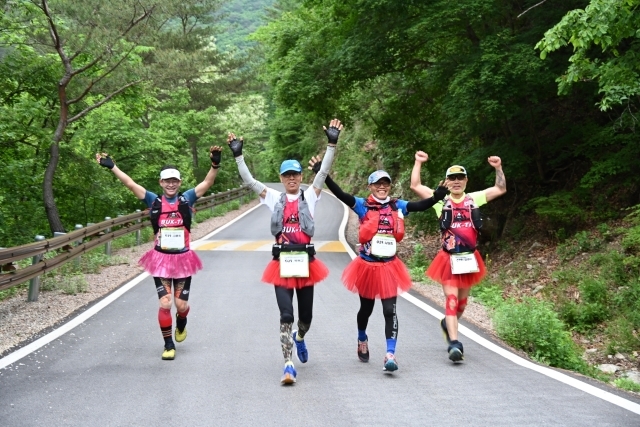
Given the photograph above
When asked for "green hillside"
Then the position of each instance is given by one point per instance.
(241, 18)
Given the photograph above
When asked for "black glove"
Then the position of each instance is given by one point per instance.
(332, 134)
(440, 193)
(316, 167)
(107, 162)
(216, 157)
(236, 146)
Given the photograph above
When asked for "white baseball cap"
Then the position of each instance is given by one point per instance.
(170, 173)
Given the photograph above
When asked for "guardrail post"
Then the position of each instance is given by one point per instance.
(138, 231)
(107, 246)
(76, 261)
(34, 284)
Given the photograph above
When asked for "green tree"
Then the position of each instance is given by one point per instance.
(606, 45)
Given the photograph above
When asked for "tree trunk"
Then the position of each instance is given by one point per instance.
(53, 216)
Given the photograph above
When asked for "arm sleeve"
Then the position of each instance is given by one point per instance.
(345, 198)
(422, 205)
(247, 178)
(327, 160)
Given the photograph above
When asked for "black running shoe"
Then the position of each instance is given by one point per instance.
(445, 332)
(455, 350)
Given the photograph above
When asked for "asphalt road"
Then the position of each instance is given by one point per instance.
(107, 371)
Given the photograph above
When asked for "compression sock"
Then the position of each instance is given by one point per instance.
(391, 345)
(164, 318)
(181, 320)
(362, 335)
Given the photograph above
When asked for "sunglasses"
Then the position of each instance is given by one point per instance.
(381, 184)
(457, 177)
(290, 174)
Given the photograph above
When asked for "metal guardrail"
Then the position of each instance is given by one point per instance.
(78, 242)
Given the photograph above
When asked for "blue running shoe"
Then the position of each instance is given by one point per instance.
(301, 349)
(390, 363)
(289, 374)
(455, 350)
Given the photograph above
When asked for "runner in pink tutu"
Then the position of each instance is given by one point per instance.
(294, 266)
(171, 262)
(459, 265)
(377, 273)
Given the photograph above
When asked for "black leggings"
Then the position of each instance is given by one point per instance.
(388, 310)
(285, 304)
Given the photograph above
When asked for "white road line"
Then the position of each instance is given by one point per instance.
(78, 320)
(551, 373)
(56, 333)
(587, 388)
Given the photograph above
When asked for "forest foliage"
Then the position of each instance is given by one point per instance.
(549, 87)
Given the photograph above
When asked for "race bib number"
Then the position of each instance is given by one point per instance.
(383, 245)
(464, 263)
(172, 239)
(294, 264)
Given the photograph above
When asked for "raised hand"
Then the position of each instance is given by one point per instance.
(235, 144)
(334, 131)
(315, 163)
(495, 161)
(215, 154)
(441, 192)
(105, 160)
(421, 156)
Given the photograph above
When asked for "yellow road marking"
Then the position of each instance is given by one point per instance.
(252, 246)
(262, 245)
(213, 245)
(334, 246)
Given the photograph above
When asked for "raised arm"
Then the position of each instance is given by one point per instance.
(215, 154)
(236, 147)
(500, 186)
(332, 135)
(105, 161)
(424, 204)
(416, 183)
(315, 164)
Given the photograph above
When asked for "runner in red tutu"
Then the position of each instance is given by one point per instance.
(294, 266)
(458, 266)
(377, 273)
(170, 262)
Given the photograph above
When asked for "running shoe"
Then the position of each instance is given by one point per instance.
(180, 335)
(289, 374)
(301, 348)
(390, 363)
(445, 332)
(363, 350)
(455, 350)
(169, 354)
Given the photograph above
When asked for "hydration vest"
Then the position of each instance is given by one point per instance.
(183, 209)
(459, 224)
(371, 224)
(304, 218)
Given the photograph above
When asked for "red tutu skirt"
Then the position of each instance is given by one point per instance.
(317, 273)
(440, 271)
(171, 266)
(376, 279)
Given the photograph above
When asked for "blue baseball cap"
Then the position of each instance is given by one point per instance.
(377, 176)
(290, 166)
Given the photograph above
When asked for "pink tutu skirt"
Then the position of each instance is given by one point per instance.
(376, 279)
(440, 271)
(317, 273)
(170, 266)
